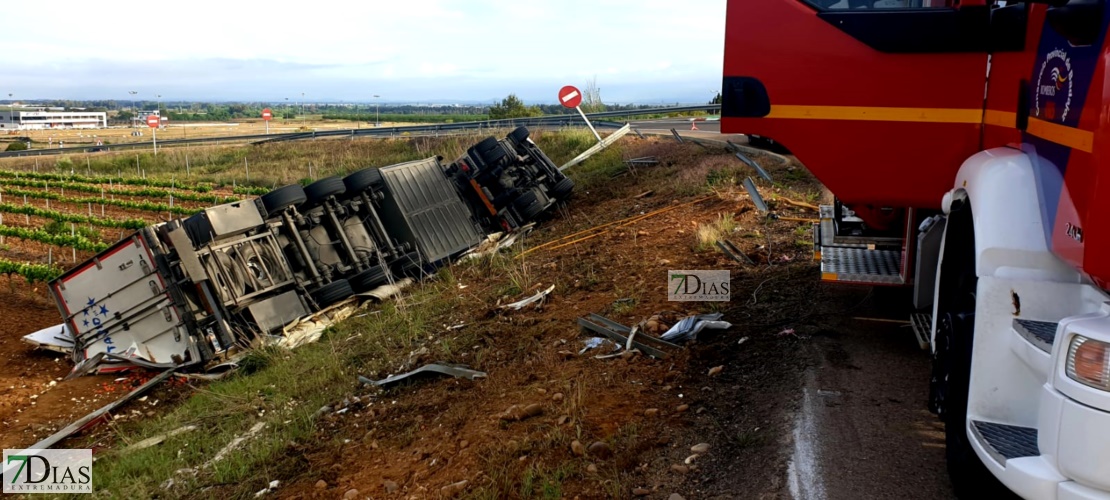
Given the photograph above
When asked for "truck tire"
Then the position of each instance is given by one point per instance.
(491, 151)
(485, 146)
(282, 198)
(319, 191)
(368, 279)
(562, 189)
(331, 293)
(362, 180)
(528, 206)
(951, 378)
(519, 135)
(407, 265)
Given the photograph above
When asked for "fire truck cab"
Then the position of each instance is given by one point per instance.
(963, 141)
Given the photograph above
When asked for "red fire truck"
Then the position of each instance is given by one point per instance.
(964, 142)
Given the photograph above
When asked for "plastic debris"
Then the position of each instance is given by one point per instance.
(451, 371)
(520, 304)
(689, 327)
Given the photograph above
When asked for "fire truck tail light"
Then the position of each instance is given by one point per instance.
(1089, 362)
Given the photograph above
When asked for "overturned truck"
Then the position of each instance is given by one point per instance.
(182, 293)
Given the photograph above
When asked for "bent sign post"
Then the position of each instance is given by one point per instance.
(571, 97)
(153, 121)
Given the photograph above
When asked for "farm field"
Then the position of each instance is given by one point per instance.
(183, 130)
(600, 252)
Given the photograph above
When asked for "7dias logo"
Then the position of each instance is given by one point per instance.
(698, 286)
(47, 471)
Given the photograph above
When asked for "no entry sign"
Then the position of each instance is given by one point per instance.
(152, 121)
(570, 97)
(267, 115)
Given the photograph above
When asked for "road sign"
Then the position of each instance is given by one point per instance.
(267, 115)
(570, 97)
(153, 121)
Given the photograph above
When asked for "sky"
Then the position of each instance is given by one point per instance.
(477, 51)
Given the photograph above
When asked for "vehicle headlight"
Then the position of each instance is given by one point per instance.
(1089, 362)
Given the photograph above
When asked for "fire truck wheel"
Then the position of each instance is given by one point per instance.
(528, 206)
(362, 180)
(951, 378)
(519, 135)
(319, 191)
(282, 198)
(562, 189)
(331, 293)
(368, 279)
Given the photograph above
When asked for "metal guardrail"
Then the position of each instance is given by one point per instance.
(567, 120)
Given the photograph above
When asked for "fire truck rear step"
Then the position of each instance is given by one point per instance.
(861, 265)
(922, 325)
(1004, 442)
(1041, 334)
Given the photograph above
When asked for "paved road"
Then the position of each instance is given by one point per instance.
(679, 124)
(862, 429)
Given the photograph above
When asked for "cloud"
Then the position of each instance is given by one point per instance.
(410, 50)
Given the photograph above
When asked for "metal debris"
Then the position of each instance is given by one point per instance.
(235, 443)
(450, 371)
(518, 305)
(689, 327)
(587, 325)
(156, 440)
(749, 162)
(644, 161)
(619, 328)
(90, 419)
(749, 184)
(55, 338)
(729, 248)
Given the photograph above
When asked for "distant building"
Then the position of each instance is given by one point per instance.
(139, 120)
(13, 119)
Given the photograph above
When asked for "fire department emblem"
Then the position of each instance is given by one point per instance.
(1054, 87)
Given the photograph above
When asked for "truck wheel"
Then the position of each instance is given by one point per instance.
(362, 180)
(528, 206)
(490, 150)
(519, 135)
(485, 146)
(319, 191)
(368, 279)
(562, 189)
(407, 265)
(951, 379)
(331, 293)
(282, 198)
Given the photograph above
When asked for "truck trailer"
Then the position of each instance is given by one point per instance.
(964, 143)
(186, 293)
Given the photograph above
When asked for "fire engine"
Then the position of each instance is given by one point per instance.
(963, 142)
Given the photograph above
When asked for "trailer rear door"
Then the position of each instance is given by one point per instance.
(118, 302)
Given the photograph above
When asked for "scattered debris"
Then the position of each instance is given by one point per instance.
(749, 184)
(235, 443)
(644, 161)
(450, 371)
(730, 249)
(741, 342)
(787, 331)
(595, 342)
(496, 242)
(156, 440)
(748, 161)
(55, 338)
(716, 370)
(690, 326)
(518, 305)
(453, 489)
(96, 416)
(611, 329)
